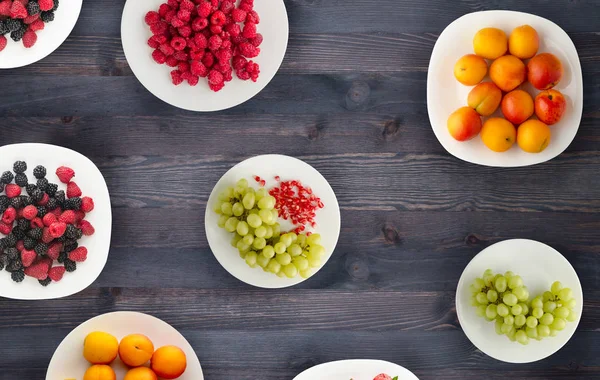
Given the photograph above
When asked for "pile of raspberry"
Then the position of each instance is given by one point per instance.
(23, 18)
(206, 39)
(42, 228)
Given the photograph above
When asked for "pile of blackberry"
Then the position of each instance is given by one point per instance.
(23, 231)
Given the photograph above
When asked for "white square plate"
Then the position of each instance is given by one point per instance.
(445, 94)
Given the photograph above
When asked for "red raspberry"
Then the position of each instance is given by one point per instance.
(197, 55)
(152, 18)
(253, 17)
(58, 229)
(39, 269)
(67, 217)
(214, 42)
(216, 29)
(56, 273)
(65, 174)
(233, 29)
(215, 77)
(79, 215)
(54, 250)
(18, 10)
(87, 228)
(12, 190)
(28, 257)
(227, 45)
(170, 15)
(30, 212)
(216, 87)
(153, 43)
(247, 5)
(172, 61)
(160, 38)
(243, 74)
(57, 211)
(36, 222)
(249, 30)
(199, 23)
(197, 68)
(204, 10)
(218, 18)
(185, 31)
(176, 77)
(253, 69)
(3, 42)
(9, 215)
(184, 15)
(224, 56)
(383, 376)
(173, 3)
(44, 201)
(163, 9)
(239, 15)
(20, 246)
(159, 57)
(227, 6)
(73, 190)
(31, 19)
(166, 49)
(78, 254)
(192, 79)
(248, 50)
(5, 7)
(87, 204)
(187, 5)
(46, 236)
(48, 219)
(236, 40)
(5, 229)
(208, 60)
(159, 28)
(257, 41)
(184, 67)
(177, 43)
(201, 41)
(29, 38)
(176, 22)
(181, 55)
(46, 5)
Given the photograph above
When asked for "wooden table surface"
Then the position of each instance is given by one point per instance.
(350, 99)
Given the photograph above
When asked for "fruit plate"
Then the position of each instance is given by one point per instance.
(49, 39)
(156, 78)
(539, 265)
(445, 94)
(92, 183)
(359, 369)
(68, 361)
(267, 167)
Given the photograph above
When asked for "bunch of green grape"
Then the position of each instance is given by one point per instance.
(251, 216)
(505, 300)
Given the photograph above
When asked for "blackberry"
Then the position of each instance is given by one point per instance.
(18, 275)
(62, 257)
(52, 204)
(29, 243)
(36, 195)
(70, 265)
(45, 282)
(16, 202)
(7, 177)
(22, 224)
(4, 201)
(12, 253)
(79, 234)
(33, 8)
(17, 35)
(3, 28)
(14, 266)
(60, 197)
(19, 234)
(35, 233)
(61, 239)
(70, 245)
(47, 16)
(51, 189)
(42, 184)
(41, 211)
(72, 204)
(30, 188)
(25, 200)
(20, 167)
(71, 231)
(4, 260)
(13, 24)
(55, 7)
(1, 187)
(21, 180)
(41, 249)
(1, 265)
(3, 244)
(11, 240)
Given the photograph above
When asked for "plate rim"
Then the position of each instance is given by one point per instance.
(380, 362)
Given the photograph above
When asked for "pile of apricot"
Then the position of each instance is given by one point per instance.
(514, 61)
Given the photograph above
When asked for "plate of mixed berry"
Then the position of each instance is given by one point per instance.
(30, 30)
(358, 369)
(272, 221)
(204, 55)
(55, 222)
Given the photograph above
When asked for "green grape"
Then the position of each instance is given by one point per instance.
(260, 193)
(537, 312)
(275, 214)
(473, 287)
(262, 260)
(269, 233)
(238, 209)
(242, 183)
(251, 258)
(217, 208)
(274, 266)
(531, 321)
(522, 337)
(316, 239)
(492, 295)
(294, 250)
(259, 243)
(235, 239)
(266, 216)
(281, 274)
(301, 240)
(268, 252)
(266, 203)
(515, 282)
(489, 280)
(522, 293)
(306, 273)
(531, 332)
(249, 200)
(547, 319)
(556, 287)
(243, 247)
(520, 320)
(276, 230)
(516, 310)
(572, 316)
(558, 324)
(313, 261)
(565, 294)
(482, 298)
(283, 258)
(222, 221)
(511, 334)
(498, 326)
(231, 224)
(488, 272)
(242, 228)
(549, 307)
(317, 250)
(509, 274)
(510, 299)
(502, 310)
(286, 239)
(509, 320)
(490, 312)
(553, 332)
(524, 308)
(543, 331)
(500, 284)
(280, 247)
(547, 296)
(227, 208)
(474, 301)
(537, 303)
(562, 312)
(480, 310)
(290, 270)
(254, 220)
(506, 328)
(260, 231)
(225, 195)
(571, 304)
(248, 239)
(301, 263)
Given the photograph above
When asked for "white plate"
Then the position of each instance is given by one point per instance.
(68, 362)
(49, 39)
(355, 370)
(267, 167)
(539, 265)
(445, 94)
(92, 184)
(157, 79)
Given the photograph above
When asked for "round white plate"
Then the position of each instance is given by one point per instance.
(355, 370)
(539, 265)
(68, 362)
(49, 39)
(267, 167)
(92, 184)
(157, 79)
(445, 94)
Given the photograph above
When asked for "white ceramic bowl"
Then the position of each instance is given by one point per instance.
(267, 167)
(92, 184)
(157, 79)
(68, 362)
(539, 265)
(445, 94)
(355, 370)
(49, 39)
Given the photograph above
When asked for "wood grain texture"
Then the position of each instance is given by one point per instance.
(350, 99)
